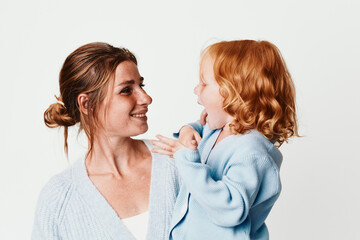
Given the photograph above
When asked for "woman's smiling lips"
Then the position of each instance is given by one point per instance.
(141, 115)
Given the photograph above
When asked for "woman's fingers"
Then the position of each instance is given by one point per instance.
(166, 146)
(162, 145)
(162, 148)
(168, 141)
(161, 151)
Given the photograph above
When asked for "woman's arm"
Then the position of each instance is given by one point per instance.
(45, 222)
(44, 225)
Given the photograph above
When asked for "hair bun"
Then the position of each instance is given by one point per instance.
(57, 116)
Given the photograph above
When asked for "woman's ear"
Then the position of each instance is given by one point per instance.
(83, 100)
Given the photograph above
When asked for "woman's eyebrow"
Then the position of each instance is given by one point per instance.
(128, 82)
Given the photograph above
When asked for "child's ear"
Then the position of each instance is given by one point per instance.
(223, 92)
(83, 100)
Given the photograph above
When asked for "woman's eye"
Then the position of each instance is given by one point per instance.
(142, 85)
(126, 90)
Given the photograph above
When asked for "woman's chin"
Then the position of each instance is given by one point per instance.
(143, 129)
(131, 132)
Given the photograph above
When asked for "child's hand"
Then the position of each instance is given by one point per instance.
(168, 146)
(189, 137)
(203, 116)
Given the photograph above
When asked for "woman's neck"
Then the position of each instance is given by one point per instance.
(115, 155)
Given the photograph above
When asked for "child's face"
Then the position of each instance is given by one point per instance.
(208, 92)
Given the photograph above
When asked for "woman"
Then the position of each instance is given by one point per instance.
(119, 190)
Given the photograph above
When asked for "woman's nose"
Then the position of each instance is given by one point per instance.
(144, 98)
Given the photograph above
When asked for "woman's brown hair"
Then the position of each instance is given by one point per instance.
(89, 69)
(257, 88)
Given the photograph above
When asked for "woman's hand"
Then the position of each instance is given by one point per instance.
(168, 146)
(188, 138)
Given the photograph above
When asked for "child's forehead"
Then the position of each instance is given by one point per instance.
(206, 61)
(206, 69)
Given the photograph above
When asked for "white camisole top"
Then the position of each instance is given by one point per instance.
(137, 225)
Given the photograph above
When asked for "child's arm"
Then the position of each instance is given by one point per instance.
(228, 200)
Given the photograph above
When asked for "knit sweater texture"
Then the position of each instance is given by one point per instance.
(230, 195)
(71, 208)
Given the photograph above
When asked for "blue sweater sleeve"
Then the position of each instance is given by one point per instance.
(226, 201)
(45, 222)
(50, 208)
(195, 125)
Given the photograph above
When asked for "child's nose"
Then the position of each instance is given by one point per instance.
(196, 90)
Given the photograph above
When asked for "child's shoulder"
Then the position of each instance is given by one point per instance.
(253, 143)
(253, 139)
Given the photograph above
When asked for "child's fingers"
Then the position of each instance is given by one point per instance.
(203, 116)
(197, 138)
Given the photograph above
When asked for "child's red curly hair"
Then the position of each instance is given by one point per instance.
(257, 88)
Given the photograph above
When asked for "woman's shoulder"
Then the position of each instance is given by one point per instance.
(163, 159)
(163, 165)
(55, 193)
(58, 184)
(52, 203)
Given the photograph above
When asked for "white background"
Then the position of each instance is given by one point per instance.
(318, 39)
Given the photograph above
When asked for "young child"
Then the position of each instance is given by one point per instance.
(230, 178)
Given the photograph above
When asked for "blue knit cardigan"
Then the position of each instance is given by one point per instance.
(71, 208)
(230, 195)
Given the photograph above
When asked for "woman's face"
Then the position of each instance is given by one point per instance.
(208, 92)
(126, 104)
